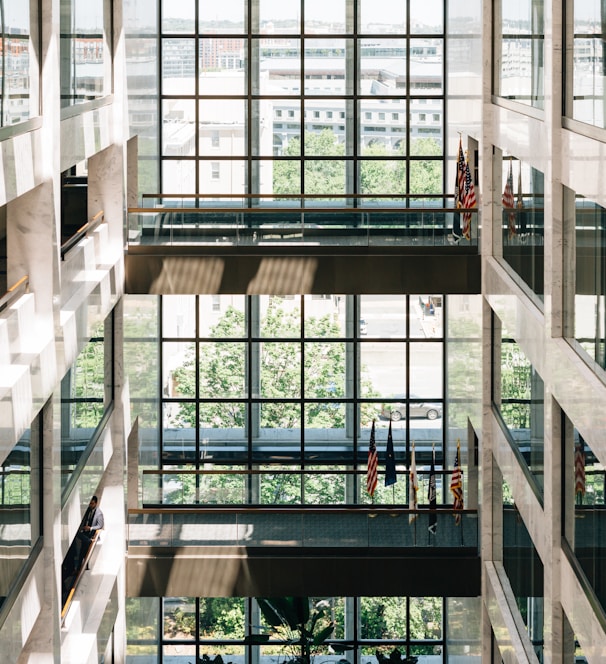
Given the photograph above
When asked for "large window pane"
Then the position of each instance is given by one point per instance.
(228, 17)
(222, 65)
(86, 392)
(382, 16)
(519, 396)
(585, 85)
(325, 18)
(16, 64)
(383, 369)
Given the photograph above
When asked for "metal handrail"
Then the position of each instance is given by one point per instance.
(14, 292)
(281, 210)
(84, 230)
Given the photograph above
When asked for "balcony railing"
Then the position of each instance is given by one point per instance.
(291, 527)
(257, 220)
(278, 507)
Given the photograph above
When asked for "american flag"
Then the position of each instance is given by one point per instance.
(371, 474)
(456, 484)
(579, 472)
(413, 486)
(460, 177)
(469, 201)
(458, 193)
(431, 495)
(508, 202)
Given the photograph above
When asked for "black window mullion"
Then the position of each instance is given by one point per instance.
(302, 391)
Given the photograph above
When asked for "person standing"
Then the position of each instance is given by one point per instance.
(92, 522)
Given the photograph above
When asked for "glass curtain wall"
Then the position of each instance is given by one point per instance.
(585, 529)
(518, 51)
(86, 395)
(523, 224)
(524, 570)
(296, 382)
(302, 97)
(20, 506)
(85, 55)
(141, 39)
(378, 630)
(518, 396)
(18, 82)
(589, 279)
(585, 40)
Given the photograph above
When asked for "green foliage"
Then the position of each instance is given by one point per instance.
(141, 357)
(515, 386)
(222, 618)
(383, 618)
(88, 382)
(386, 176)
(223, 371)
(395, 657)
(301, 629)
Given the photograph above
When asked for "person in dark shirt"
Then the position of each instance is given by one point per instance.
(92, 522)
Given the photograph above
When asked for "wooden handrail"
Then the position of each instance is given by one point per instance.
(17, 289)
(297, 509)
(81, 570)
(281, 210)
(88, 227)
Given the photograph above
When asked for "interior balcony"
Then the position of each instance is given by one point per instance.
(301, 244)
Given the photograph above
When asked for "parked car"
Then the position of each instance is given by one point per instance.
(397, 409)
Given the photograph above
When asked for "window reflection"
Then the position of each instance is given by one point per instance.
(519, 397)
(588, 306)
(20, 517)
(86, 393)
(16, 103)
(519, 47)
(585, 85)
(523, 222)
(524, 570)
(585, 502)
(84, 71)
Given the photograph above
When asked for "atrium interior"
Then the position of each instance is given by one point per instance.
(311, 296)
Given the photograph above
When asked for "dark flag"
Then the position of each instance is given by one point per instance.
(390, 461)
(456, 485)
(371, 474)
(413, 487)
(520, 204)
(431, 495)
(508, 203)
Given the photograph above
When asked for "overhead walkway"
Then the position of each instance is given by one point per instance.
(265, 551)
(253, 243)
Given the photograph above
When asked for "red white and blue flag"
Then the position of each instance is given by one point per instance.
(371, 473)
(456, 485)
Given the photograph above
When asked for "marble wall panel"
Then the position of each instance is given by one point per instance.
(507, 626)
(578, 609)
(85, 134)
(5, 355)
(20, 168)
(525, 499)
(15, 405)
(583, 165)
(578, 390)
(22, 617)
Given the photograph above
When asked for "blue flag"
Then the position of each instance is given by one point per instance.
(390, 461)
(431, 495)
